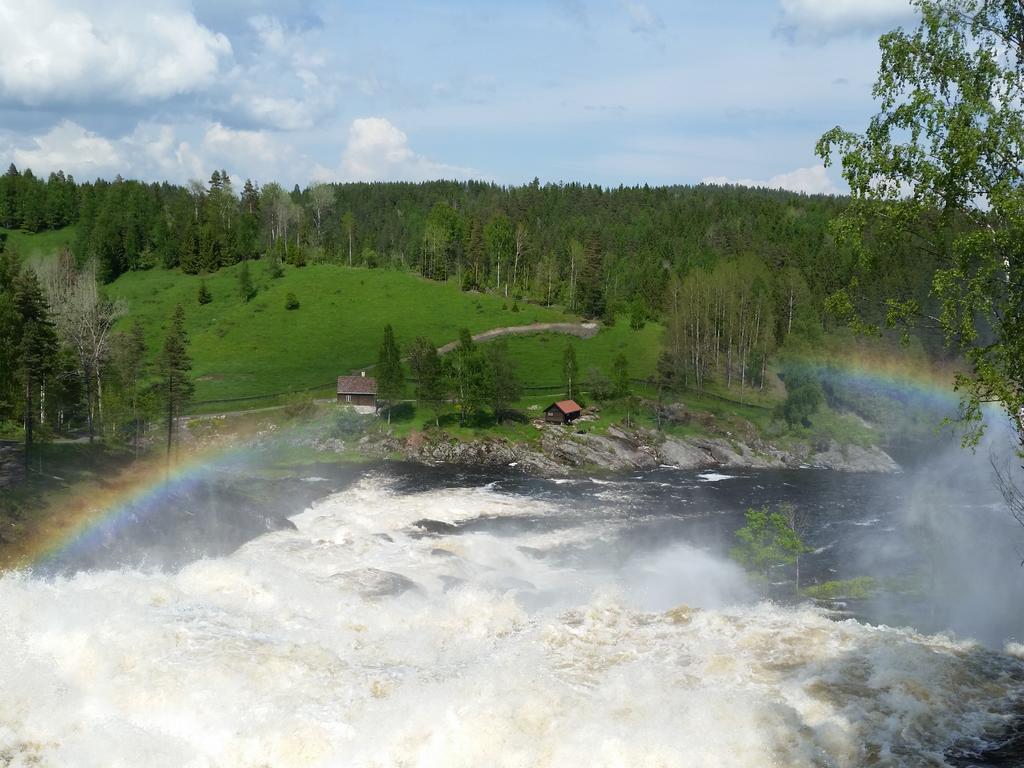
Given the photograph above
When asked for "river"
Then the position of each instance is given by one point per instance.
(436, 617)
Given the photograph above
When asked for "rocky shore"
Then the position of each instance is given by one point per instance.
(562, 450)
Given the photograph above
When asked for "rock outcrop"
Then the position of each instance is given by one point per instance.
(562, 450)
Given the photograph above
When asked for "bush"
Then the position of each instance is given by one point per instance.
(348, 424)
(299, 406)
(274, 268)
(637, 316)
(205, 297)
(599, 385)
(803, 395)
(295, 255)
(290, 301)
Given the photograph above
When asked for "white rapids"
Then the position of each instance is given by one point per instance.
(354, 642)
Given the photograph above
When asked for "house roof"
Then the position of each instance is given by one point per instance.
(565, 406)
(357, 385)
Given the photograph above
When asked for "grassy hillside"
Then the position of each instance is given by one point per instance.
(241, 349)
(40, 244)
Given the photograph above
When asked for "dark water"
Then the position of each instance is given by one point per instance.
(944, 551)
(939, 542)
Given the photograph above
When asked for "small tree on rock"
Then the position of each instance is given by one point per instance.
(766, 541)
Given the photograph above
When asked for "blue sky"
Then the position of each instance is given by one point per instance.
(616, 92)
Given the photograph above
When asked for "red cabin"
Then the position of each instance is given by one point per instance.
(562, 412)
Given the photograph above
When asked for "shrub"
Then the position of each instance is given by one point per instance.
(274, 268)
(299, 406)
(347, 424)
(205, 297)
(599, 385)
(246, 289)
(290, 301)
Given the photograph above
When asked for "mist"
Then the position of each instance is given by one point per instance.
(956, 543)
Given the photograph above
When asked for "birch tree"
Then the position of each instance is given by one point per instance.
(321, 200)
(85, 321)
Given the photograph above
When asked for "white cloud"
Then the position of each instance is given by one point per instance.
(644, 21)
(157, 151)
(283, 112)
(270, 31)
(819, 20)
(813, 180)
(244, 150)
(377, 150)
(67, 51)
(289, 84)
(70, 147)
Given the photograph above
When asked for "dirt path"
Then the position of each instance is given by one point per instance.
(185, 419)
(582, 330)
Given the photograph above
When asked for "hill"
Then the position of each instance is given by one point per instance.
(241, 349)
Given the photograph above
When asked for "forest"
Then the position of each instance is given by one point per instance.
(736, 276)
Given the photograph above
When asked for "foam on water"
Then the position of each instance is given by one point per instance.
(356, 640)
(713, 477)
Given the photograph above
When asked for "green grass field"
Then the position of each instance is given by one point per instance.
(540, 357)
(37, 245)
(241, 349)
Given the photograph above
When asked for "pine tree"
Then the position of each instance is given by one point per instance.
(427, 368)
(620, 368)
(205, 297)
(390, 377)
(176, 388)
(245, 287)
(591, 288)
(37, 352)
(504, 387)
(471, 276)
(348, 224)
(250, 198)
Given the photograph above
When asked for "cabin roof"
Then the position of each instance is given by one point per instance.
(357, 385)
(565, 406)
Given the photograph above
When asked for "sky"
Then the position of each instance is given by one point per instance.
(615, 92)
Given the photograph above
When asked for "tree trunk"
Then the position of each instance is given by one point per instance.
(88, 404)
(99, 400)
(170, 418)
(135, 417)
(28, 420)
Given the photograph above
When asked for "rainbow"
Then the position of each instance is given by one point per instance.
(918, 385)
(84, 524)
